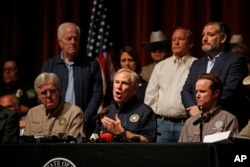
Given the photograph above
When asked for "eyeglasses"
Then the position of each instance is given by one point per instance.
(48, 92)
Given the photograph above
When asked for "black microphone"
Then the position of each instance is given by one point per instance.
(205, 116)
(99, 115)
(197, 121)
(3, 116)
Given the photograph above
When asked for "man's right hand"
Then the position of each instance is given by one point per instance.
(193, 110)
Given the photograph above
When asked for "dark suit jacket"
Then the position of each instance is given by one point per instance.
(9, 125)
(87, 81)
(231, 68)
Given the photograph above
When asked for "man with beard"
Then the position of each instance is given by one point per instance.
(230, 67)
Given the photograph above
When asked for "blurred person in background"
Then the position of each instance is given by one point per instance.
(14, 82)
(159, 47)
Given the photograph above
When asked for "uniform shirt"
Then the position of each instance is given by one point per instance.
(66, 119)
(246, 130)
(24, 92)
(135, 116)
(147, 71)
(165, 85)
(220, 121)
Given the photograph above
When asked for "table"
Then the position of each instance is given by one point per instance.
(122, 154)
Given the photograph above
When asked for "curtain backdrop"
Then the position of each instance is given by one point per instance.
(29, 28)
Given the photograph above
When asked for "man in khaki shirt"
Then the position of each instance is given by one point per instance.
(54, 116)
(212, 118)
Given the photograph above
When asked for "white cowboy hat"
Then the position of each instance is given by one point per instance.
(157, 38)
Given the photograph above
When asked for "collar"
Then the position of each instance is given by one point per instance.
(214, 111)
(127, 104)
(180, 59)
(69, 63)
(210, 59)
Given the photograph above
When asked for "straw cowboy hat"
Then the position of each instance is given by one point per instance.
(236, 38)
(157, 38)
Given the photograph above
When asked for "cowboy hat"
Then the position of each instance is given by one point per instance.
(157, 39)
(236, 38)
(246, 80)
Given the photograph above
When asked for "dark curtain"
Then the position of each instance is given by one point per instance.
(29, 28)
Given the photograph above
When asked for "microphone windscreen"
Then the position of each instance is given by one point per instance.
(107, 136)
(94, 137)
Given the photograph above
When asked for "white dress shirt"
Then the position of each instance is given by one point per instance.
(163, 92)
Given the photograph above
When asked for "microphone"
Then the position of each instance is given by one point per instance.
(205, 116)
(107, 137)
(100, 115)
(197, 121)
(94, 137)
(3, 116)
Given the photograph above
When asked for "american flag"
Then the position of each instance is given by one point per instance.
(100, 41)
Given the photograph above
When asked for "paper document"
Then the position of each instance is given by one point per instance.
(216, 137)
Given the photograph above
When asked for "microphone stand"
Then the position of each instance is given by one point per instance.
(99, 125)
(201, 126)
(205, 116)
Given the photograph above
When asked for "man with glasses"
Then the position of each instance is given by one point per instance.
(14, 81)
(54, 116)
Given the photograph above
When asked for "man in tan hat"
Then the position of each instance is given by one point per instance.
(159, 49)
(164, 87)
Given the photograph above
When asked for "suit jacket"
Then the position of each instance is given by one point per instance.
(87, 81)
(9, 125)
(231, 68)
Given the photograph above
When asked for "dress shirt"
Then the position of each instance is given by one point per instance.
(211, 63)
(165, 85)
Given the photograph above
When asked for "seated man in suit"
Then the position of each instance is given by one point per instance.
(9, 125)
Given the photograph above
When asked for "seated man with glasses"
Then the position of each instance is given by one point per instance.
(54, 116)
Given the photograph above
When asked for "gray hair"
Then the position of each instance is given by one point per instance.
(44, 78)
(61, 27)
(135, 79)
(223, 29)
